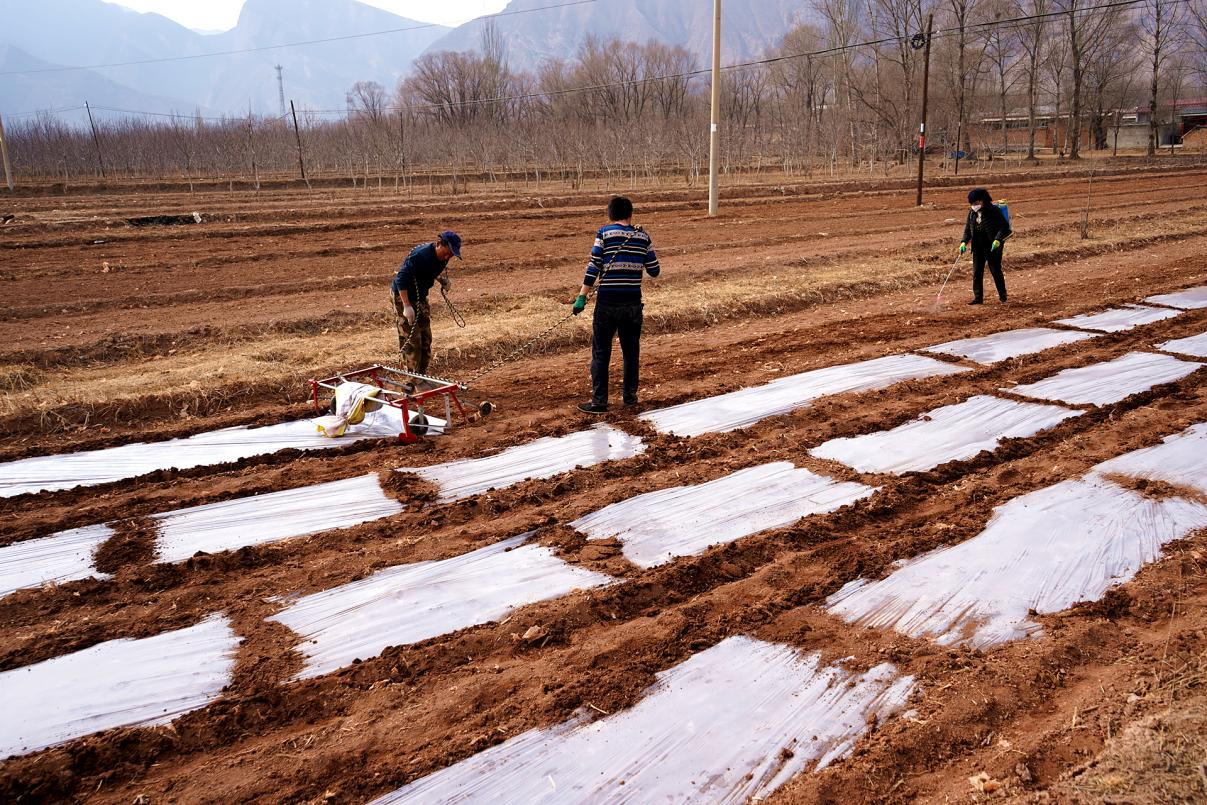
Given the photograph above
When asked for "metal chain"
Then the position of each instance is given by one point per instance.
(515, 353)
(522, 348)
(402, 349)
(458, 319)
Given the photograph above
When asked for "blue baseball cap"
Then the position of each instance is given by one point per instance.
(452, 240)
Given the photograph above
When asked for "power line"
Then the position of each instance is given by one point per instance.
(182, 116)
(261, 48)
(51, 111)
(945, 32)
(754, 63)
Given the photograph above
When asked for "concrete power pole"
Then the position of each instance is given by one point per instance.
(715, 117)
(281, 88)
(96, 140)
(930, 24)
(8, 169)
(298, 134)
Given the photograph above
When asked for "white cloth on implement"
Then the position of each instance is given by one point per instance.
(352, 401)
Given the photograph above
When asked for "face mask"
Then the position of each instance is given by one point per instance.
(976, 207)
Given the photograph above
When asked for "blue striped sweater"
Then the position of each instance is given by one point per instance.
(621, 254)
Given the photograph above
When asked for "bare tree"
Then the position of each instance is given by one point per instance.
(1002, 50)
(1110, 78)
(964, 67)
(1032, 38)
(1196, 34)
(1087, 27)
(891, 96)
(367, 100)
(841, 29)
(1163, 23)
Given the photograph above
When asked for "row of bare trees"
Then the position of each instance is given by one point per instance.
(839, 92)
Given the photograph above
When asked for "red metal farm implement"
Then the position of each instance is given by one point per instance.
(406, 392)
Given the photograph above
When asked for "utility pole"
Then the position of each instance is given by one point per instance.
(251, 147)
(297, 134)
(930, 24)
(715, 117)
(281, 88)
(96, 140)
(8, 169)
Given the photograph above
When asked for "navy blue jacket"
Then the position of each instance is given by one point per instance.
(418, 273)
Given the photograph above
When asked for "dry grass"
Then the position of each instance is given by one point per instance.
(284, 361)
(1162, 758)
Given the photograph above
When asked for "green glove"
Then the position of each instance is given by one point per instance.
(580, 303)
(997, 244)
(963, 248)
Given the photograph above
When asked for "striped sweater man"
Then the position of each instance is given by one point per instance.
(620, 258)
(622, 254)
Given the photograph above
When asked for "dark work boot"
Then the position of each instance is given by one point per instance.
(976, 302)
(592, 408)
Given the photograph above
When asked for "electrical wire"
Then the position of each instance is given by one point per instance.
(942, 33)
(545, 94)
(261, 48)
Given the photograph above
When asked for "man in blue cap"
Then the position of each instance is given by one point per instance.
(424, 266)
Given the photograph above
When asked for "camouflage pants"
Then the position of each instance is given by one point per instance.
(416, 349)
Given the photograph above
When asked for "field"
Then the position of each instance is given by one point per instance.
(113, 334)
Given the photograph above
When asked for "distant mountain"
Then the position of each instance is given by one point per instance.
(32, 90)
(52, 33)
(90, 32)
(315, 75)
(748, 27)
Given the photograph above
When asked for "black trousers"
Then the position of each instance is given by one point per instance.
(981, 258)
(612, 321)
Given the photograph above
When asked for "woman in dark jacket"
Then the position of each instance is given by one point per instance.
(985, 231)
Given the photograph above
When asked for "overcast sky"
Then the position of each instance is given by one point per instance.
(221, 15)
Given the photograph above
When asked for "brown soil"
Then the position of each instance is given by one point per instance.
(1108, 693)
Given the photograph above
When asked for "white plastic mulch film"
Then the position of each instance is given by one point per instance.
(408, 603)
(728, 725)
(951, 433)
(121, 683)
(1189, 299)
(739, 409)
(1044, 551)
(64, 556)
(685, 520)
(1109, 382)
(275, 516)
(1195, 346)
(989, 349)
(1118, 319)
(215, 447)
(1180, 460)
(542, 458)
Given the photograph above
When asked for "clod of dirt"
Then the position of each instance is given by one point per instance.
(132, 545)
(598, 552)
(408, 487)
(1113, 605)
(984, 784)
(534, 634)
